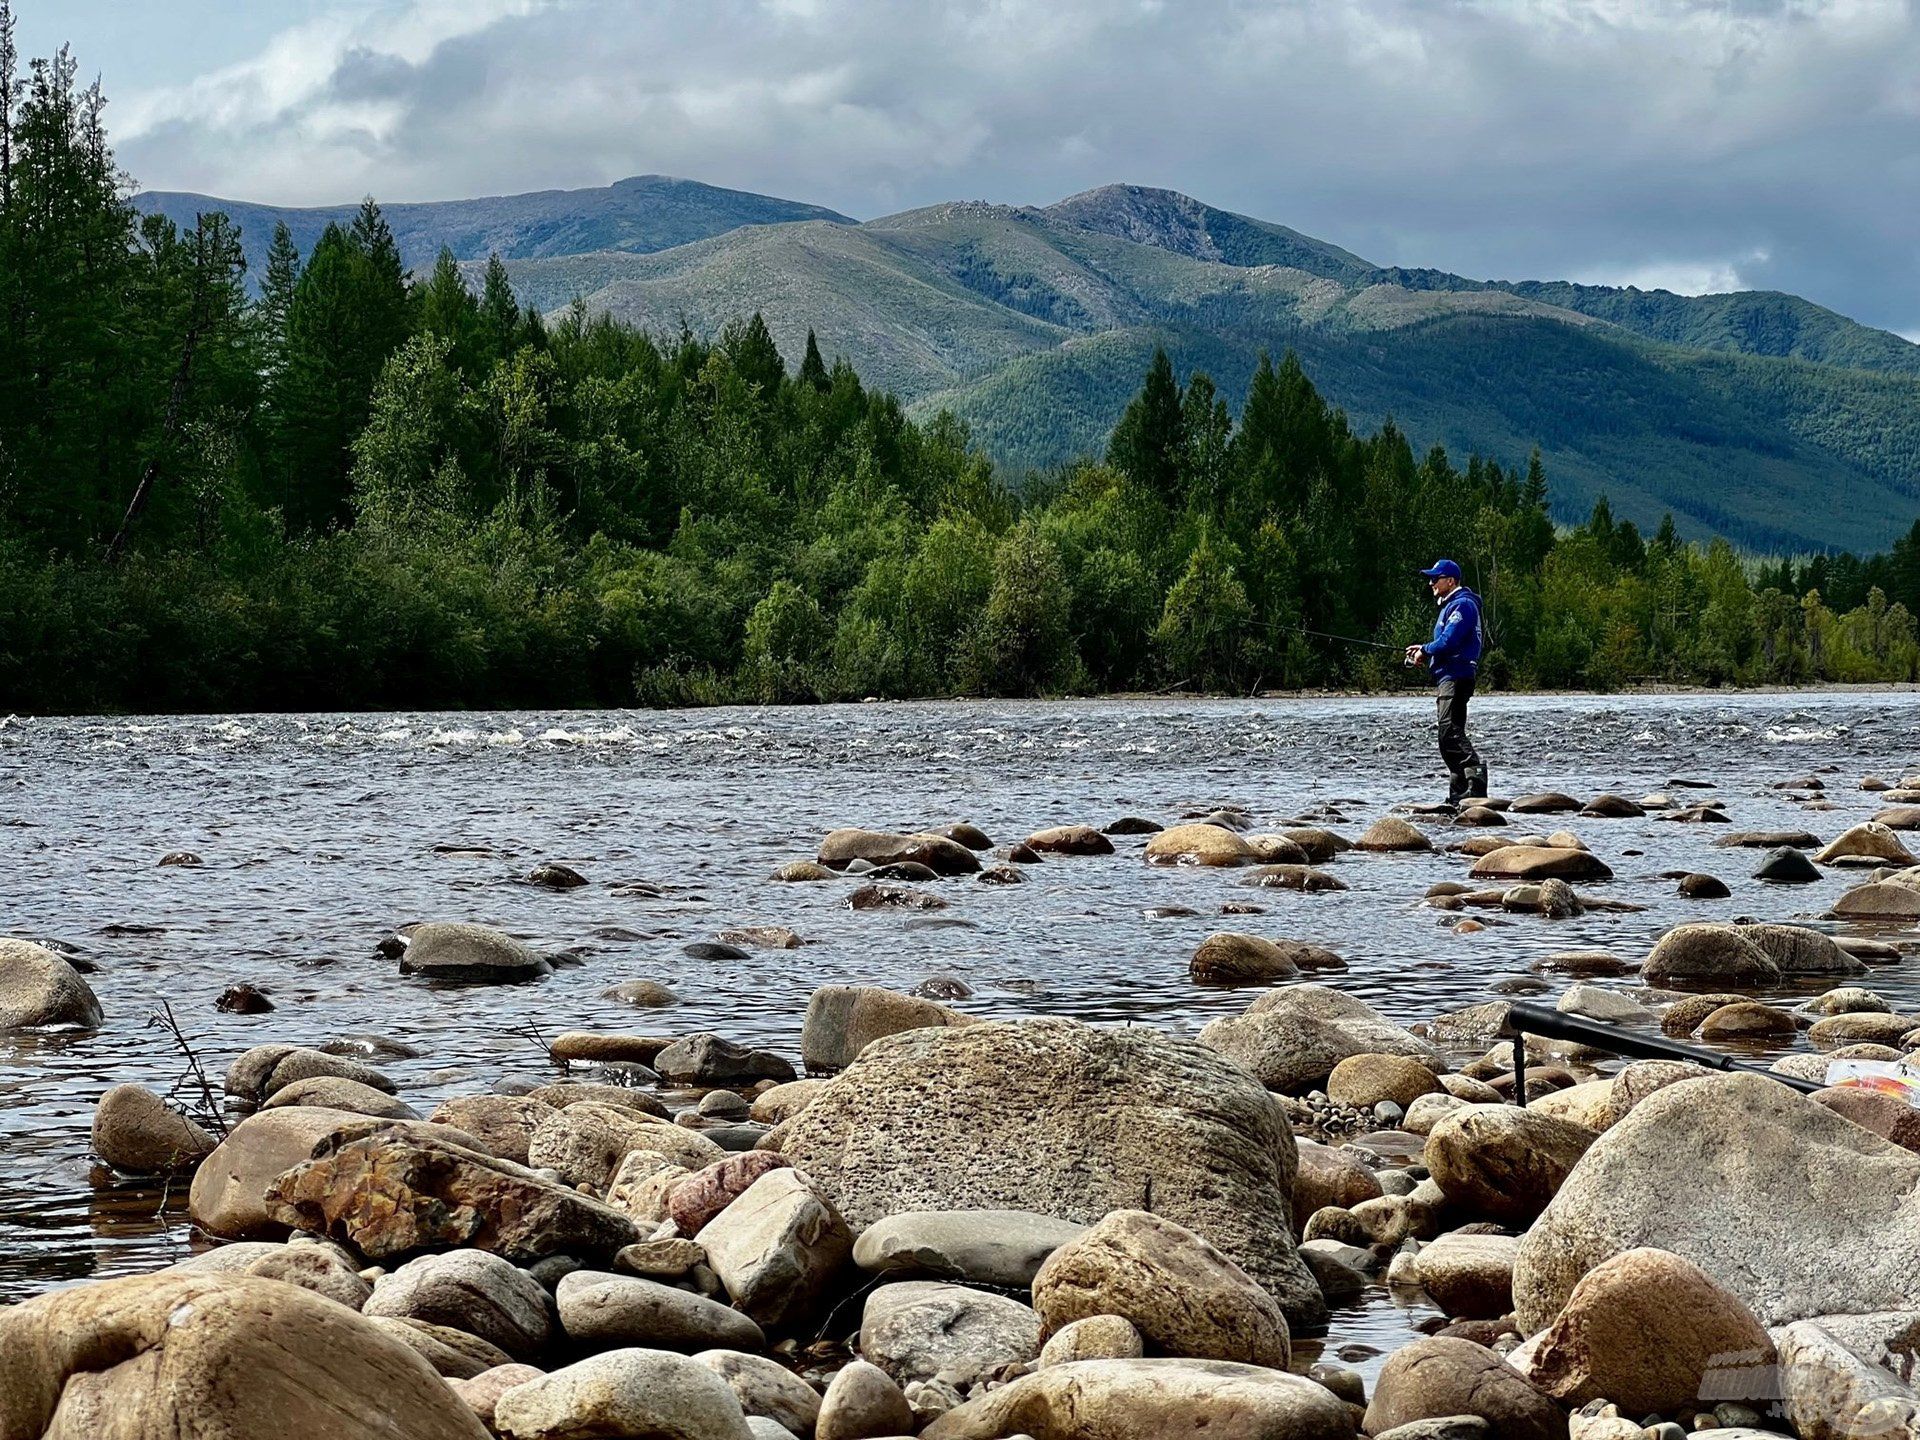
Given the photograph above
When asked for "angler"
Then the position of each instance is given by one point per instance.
(1453, 655)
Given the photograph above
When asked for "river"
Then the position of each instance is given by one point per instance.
(321, 833)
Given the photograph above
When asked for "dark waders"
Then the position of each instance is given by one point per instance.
(1463, 761)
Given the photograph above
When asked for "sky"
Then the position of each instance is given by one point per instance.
(1695, 146)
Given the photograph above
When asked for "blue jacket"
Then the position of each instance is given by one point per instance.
(1454, 651)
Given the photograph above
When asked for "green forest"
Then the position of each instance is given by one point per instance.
(365, 489)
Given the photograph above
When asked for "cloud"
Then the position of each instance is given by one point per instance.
(1685, 142)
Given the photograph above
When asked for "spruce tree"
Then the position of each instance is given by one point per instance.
(448, 309)
(1150, 442)
(276, 301)
(500, 319)
(813, 370)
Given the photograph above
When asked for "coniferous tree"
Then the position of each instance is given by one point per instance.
(448, 309)
(276, 301)
(500, 318)
(1149, 444)
(813, 370)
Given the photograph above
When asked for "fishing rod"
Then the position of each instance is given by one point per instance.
(1329, 635)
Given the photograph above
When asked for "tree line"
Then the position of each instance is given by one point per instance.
(357, 488)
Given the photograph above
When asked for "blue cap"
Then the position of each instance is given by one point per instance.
(1442, 567)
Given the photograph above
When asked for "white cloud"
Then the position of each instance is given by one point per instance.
(1690, 144)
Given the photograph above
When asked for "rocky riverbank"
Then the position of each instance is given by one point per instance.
(912, 1221)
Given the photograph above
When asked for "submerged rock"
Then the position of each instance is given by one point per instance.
(1070, 840)
(1201, 845)
(1700, 955)
(469, 953)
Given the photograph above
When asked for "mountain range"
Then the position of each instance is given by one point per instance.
(1757, 415)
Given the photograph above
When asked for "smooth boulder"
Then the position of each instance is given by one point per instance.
(211, 1356)
(1062, 1119)
(1540, 862)
(1504, 1162)
(468, 1290)
(137, 1133)
(1645, 1329)
(778, 1248)
(983, 1247)
(1443, 1375)
(598, 1308)
(39, 988)
(1182, 1294)
(1291, 1038)
(841, 1020)
(920, 1329)
(1795, 1209)
(1229, 958)
(1154, 1399)
(1206, 845)
(469, 954)
(1697, 956)
(624, 1392)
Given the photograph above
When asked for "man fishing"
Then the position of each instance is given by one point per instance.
(1454, 657)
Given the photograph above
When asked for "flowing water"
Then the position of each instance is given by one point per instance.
(320, 833)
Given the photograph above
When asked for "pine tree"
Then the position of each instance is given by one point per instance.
(276, 301)
(1150, 442)
(446, 308)
(813, 370)
(756, 359)
(500, 320)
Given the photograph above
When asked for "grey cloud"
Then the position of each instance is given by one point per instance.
(1499, 138)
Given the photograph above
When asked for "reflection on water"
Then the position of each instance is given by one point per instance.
(321, 833)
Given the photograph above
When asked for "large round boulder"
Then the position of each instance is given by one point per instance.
(842, 1019)
(1797, 1210)
(1503, 1162)
(1152, 1400)
(1062, 1119)
(202, 1355)
(1443, 1375)
(1183, 1295)
(137, 1133)
(469, 954)
(1200, 845)
(1700, 956)
(38, 987)
(1229, 958)
(1366, 1080)
(1540, 862)
(885, 847)
(1291, 1038)
(1644, 1329)
(1391, 833)
(1870, 843)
